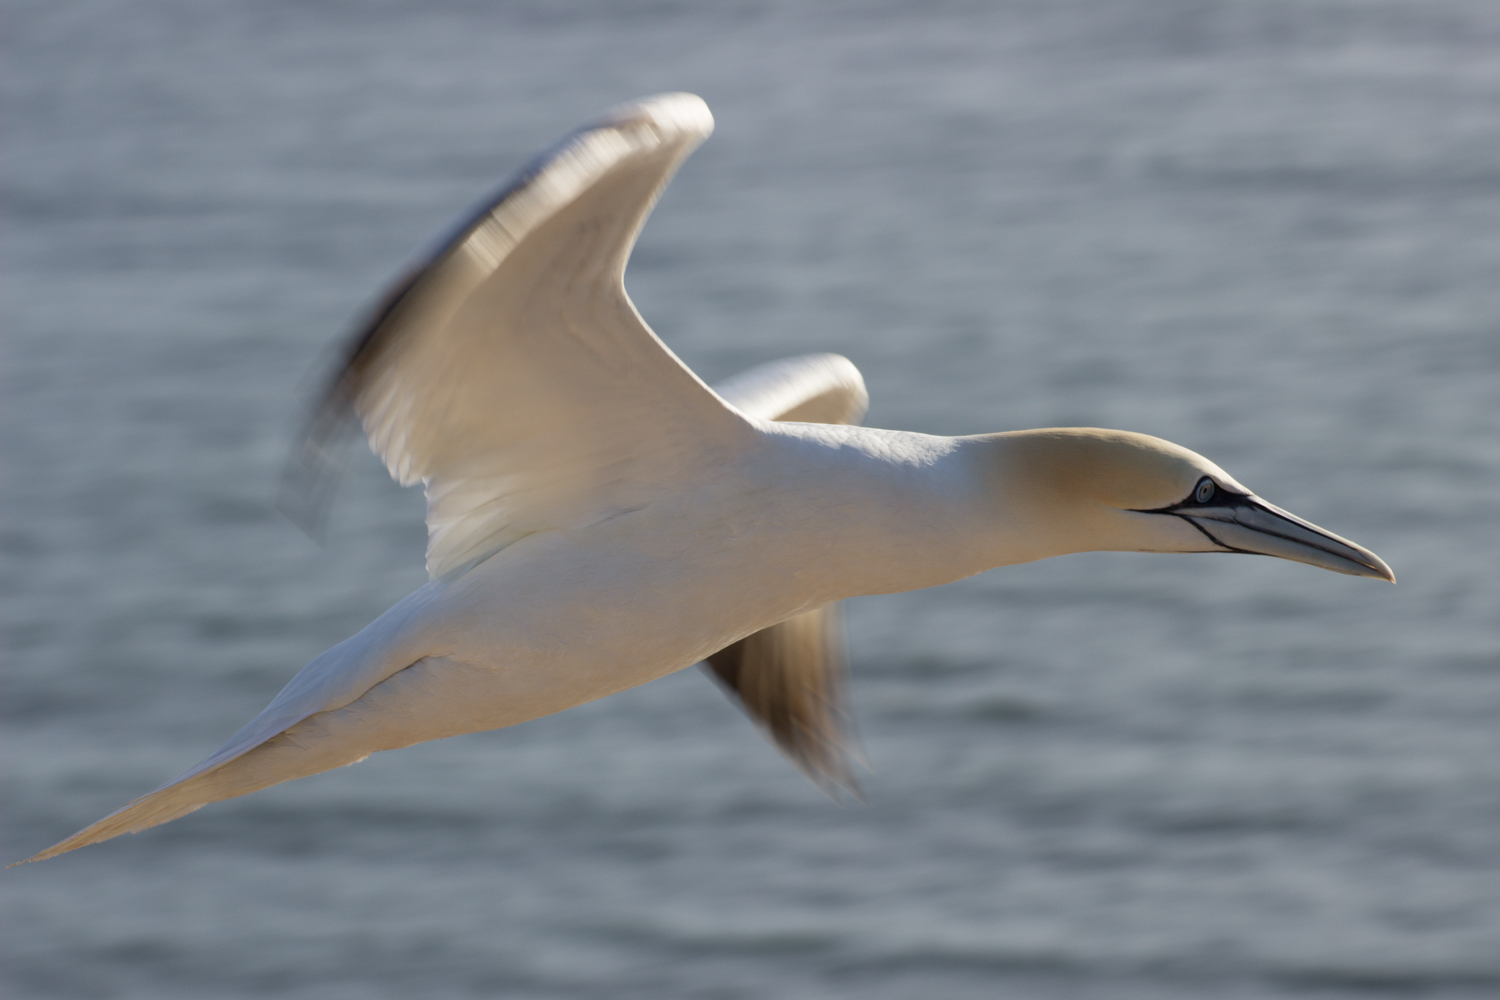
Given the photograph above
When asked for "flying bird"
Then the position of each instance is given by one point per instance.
(599, 517)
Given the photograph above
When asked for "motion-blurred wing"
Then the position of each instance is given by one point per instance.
(790, 677)
(510, 373)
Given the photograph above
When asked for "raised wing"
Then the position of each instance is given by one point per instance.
(510, 373)
(790, 678)
(812, 388)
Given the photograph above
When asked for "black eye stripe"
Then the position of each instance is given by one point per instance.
(1207, 493)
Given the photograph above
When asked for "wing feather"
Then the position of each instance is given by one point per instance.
(790, 679)
(812, 388)
(510, 373)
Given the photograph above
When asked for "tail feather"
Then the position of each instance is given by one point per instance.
(299, 751)
(432, 699)
(145, 812)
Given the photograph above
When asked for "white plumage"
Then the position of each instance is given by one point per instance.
(598, 517)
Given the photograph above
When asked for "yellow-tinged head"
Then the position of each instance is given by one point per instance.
(1077, 489)
(1122, 469)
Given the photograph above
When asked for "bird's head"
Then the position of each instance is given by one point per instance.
(1080, 489)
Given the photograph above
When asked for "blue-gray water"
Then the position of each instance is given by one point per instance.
(1268, 230)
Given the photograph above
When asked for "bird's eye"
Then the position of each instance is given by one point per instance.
(1205, 491)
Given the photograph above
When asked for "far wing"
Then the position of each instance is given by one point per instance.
(510, 373)
(811, 388)
(790, 677)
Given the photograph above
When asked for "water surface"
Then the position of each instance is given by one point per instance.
(1266, 230)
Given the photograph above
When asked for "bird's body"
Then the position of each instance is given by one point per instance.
(598, 517)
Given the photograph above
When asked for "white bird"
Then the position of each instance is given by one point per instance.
(598, 517)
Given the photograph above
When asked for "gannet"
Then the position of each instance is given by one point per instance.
(598, 517)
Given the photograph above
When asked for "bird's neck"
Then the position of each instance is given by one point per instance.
(871, 511)
(887, 511)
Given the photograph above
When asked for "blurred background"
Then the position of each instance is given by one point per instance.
(1268, 230)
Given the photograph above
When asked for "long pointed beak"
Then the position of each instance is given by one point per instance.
(1250, 524)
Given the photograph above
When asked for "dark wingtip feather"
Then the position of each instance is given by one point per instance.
(790, 680)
